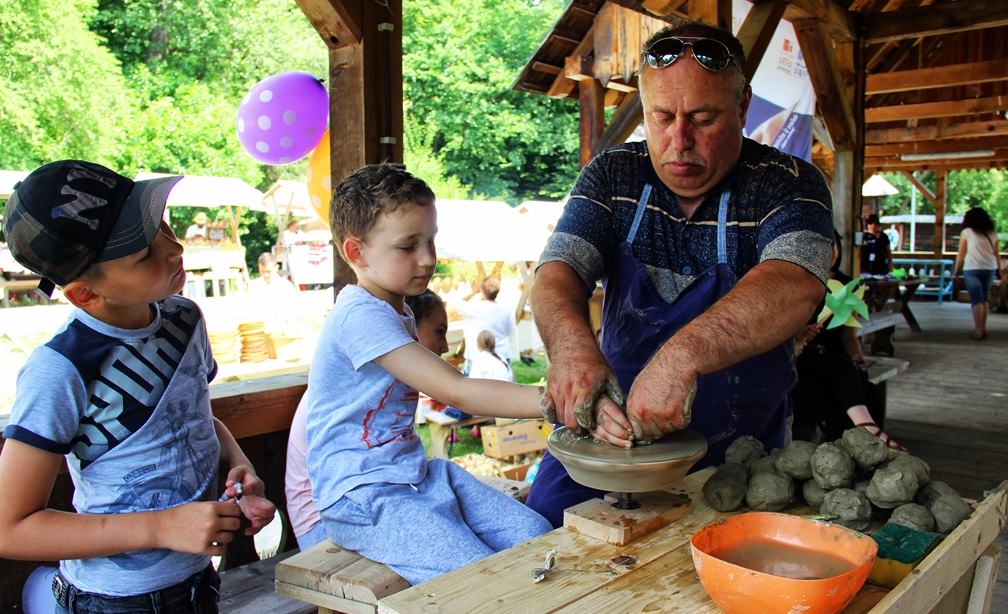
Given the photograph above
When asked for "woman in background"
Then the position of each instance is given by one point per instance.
(979, 261)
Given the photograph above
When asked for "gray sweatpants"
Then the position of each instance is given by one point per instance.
(448, 520)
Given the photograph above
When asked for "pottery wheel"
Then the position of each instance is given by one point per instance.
(656, 466)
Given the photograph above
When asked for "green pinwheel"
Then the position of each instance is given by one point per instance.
(842, 302)
(899, 273)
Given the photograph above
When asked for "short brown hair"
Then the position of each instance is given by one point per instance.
(372, 191)
(490, 288)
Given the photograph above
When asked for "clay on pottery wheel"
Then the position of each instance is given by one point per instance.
(949, 511)
(726, 489)
(769, 492)
(765, 464)
(745, 450)
(848, 508)
(891, 487)
(866, 449)
(935, 488)
(914, 464)
(657, 466)
(813, 493)
(796, 460)
(832, 467)
(914, 516)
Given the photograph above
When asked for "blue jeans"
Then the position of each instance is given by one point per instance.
(978, 284)
(197, 594)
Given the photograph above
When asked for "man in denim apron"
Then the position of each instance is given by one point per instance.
(713, 250)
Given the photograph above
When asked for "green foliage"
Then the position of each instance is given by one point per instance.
(457, 76)
(62, 94)
(986, 188)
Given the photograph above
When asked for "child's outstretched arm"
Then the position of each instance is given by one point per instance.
(31, 531)
(420, 368)
(254, 506)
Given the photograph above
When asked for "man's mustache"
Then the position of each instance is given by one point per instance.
(685, 157)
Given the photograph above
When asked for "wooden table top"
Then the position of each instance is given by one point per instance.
(587, 580)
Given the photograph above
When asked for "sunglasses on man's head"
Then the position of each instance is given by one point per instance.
(711, 54)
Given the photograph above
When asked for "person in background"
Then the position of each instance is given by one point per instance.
(197, 231)
(876, 256)
(487, 314)
(487, 363)
(894, 238)
(121, 395)
(833, 392)
(432, 330)
(979, 260)
(291, 235)
(275, 299)
(376, 492)
(713, 251)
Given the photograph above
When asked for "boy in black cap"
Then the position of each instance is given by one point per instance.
(121, 392)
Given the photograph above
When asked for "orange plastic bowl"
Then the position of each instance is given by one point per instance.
(763, 563)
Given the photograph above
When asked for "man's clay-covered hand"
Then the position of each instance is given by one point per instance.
(585, 412)
(659, 406)
(574, 385)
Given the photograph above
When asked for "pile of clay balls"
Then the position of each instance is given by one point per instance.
(850, 481)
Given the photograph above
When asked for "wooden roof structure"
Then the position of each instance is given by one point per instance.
(894, 78)
(902, 85)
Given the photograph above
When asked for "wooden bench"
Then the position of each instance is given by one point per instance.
(15, 284)
(881, 326)
(338, 580)
(441, 430)
(249, 589)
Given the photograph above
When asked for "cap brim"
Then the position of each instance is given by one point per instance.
(139, 219)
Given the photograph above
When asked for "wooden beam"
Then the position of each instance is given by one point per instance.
(837, 20)
(928, 194)
(756, 32)
(937, 76)
(336, 21)
(624, 121)
(881, 136)
(578, 68)
(591, 102)
(941, 196)
(936, 165)
(817, 47)
(894, 149)
(562, 87)
(717, 12)
(933, 20)
(546, 68)
(947, 108)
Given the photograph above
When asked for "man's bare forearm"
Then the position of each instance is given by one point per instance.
(560, 305)
(765, 308)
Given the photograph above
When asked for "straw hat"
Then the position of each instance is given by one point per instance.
(200, 218)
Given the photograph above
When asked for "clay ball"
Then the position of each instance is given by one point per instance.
(949, 511)
(745, 450)
(769, 492)
(866, 449)
(934, 489)
(891, 487)
(914, 516)
(912, 463)
(832, 467)
(813, 493)
(796, 460)
(766, 464)
(847, 508)
(726, 489)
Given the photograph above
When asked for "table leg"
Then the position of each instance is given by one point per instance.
(438, 439)
(906, 295)
(882, 341)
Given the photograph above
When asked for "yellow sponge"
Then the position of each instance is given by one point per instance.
(900, 549)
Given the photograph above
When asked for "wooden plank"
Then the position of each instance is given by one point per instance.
(258, 407)
(336, 22)
(328, 570)
(936, 574)
(945, 145)
(953, 75)
(325, 603)
(591, 103)
(947, 108)
(824, 71)
(600, 519)
(941, 131)
(249, 590)
(757, 31)
(932, 20)
(984, 579)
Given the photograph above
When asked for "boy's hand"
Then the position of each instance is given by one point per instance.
(198, 528)
(246, 476)
(259, 512)
(611, 424)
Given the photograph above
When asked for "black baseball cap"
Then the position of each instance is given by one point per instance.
(67, 215)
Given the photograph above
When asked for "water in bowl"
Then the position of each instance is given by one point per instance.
(784, 560)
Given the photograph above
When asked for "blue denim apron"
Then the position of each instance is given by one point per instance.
(748, 398)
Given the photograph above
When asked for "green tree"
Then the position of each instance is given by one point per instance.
(62, 94)
(460, 59)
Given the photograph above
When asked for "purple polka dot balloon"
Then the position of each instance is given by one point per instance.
(282, 117)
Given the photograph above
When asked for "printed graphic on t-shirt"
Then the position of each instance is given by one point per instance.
(383, 424)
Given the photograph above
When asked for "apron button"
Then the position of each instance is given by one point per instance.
(687, 270)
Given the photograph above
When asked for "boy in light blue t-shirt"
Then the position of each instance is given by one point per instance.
(121, 392)
(376, 492)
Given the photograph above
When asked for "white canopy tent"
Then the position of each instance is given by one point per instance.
(8, 179)
(205, 191)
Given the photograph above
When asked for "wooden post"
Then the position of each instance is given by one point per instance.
(592, 122)
(940, 200)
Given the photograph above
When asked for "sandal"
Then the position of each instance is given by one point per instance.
(978, 336)
(878, 432)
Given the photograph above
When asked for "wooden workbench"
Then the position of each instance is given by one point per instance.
(664, 580)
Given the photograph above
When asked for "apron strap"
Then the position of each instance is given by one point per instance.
(639, 215)
(722, 228)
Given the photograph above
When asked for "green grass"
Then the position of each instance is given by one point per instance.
(467, 444)
(534, 373)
